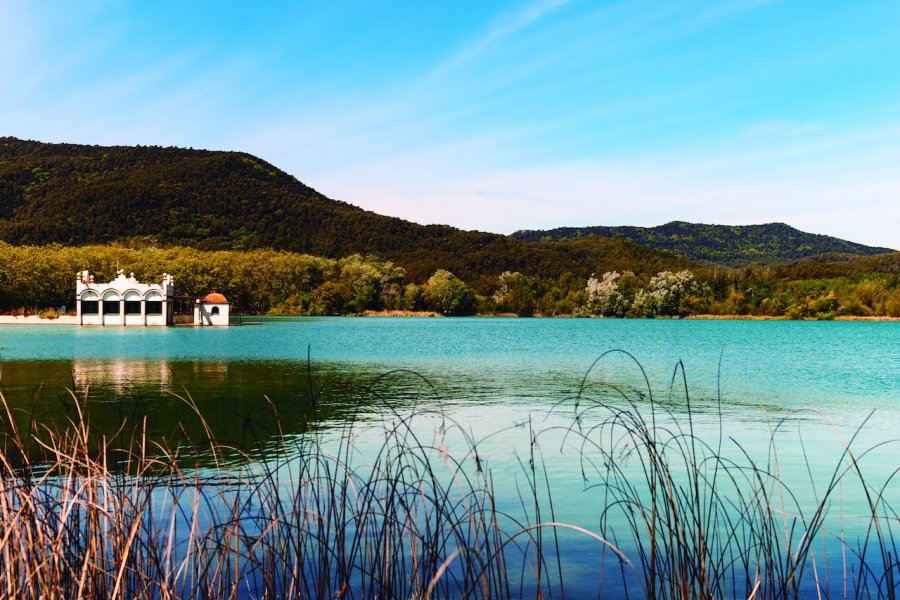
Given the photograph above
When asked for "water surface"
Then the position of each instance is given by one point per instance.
(508, 384)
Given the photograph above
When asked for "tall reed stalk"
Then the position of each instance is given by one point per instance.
(702, 521)
(330, 513)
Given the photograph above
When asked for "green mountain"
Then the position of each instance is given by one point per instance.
(724, 245)
(831, 266)
(76, 195)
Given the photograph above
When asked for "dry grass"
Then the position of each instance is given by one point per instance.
(88, 517)
(698, 521)
(317, 516)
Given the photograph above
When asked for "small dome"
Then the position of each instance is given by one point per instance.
(215, 298)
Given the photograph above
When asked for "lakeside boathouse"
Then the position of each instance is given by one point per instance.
(125, 301)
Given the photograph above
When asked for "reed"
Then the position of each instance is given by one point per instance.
(405, 507)
(700, 521)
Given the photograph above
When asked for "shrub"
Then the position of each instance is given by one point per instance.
(48, 313)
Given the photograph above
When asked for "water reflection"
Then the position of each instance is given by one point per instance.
(243, 403)
(121, 376)
(246, 403)
(164, 400)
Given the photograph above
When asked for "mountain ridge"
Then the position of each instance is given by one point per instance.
(76, 194)
(717, 245)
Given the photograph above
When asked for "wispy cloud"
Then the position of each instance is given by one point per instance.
(16, 33)
(718, 11)
(507, 26)
(554, 113)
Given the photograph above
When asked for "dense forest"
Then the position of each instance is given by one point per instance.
(231, 221)
(41, 279)
(162, 197)
(722, 245)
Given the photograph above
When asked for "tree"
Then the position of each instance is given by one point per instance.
(363, 279)
(447, 294)
(331, 298)
(516, 293)
(664, 295)
(605, 296)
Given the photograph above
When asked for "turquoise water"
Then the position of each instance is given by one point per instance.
(519, 377)
(780, 363)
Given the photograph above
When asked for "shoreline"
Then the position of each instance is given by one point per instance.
(783, 318)
(36, 320)
(72, 320)
(423, 314)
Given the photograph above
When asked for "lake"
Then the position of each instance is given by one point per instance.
(785, 395)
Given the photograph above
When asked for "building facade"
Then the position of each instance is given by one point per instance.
(124, 301)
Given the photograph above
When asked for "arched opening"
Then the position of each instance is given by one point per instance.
(154, 303)
(132, 303)
(90, 303)
(215, 310)
(111, 302)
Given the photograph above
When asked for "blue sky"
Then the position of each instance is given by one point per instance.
(495, 115)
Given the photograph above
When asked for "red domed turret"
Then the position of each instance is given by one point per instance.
(215, 298)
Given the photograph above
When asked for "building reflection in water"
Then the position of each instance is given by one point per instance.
(207, 372)
(121, 376)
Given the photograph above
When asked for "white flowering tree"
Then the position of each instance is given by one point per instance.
(605, 296)
(665, 293)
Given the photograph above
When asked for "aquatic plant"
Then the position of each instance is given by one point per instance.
(405, 506)
(699, 521)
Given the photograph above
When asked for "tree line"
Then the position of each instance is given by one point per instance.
(288, 283)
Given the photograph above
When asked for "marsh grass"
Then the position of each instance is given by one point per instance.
(405, 506)
(703, 518)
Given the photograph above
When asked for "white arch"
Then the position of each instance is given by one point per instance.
(153, 296)
(89, 295)
(132, 296)
(111, 295)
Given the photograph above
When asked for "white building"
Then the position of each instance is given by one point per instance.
(212, 309)
(124, 301)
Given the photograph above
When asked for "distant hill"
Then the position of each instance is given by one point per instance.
(725, 245)
(827, 266)
(76, 195)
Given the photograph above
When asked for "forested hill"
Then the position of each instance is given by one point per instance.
(75, 195)
(727, 245)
